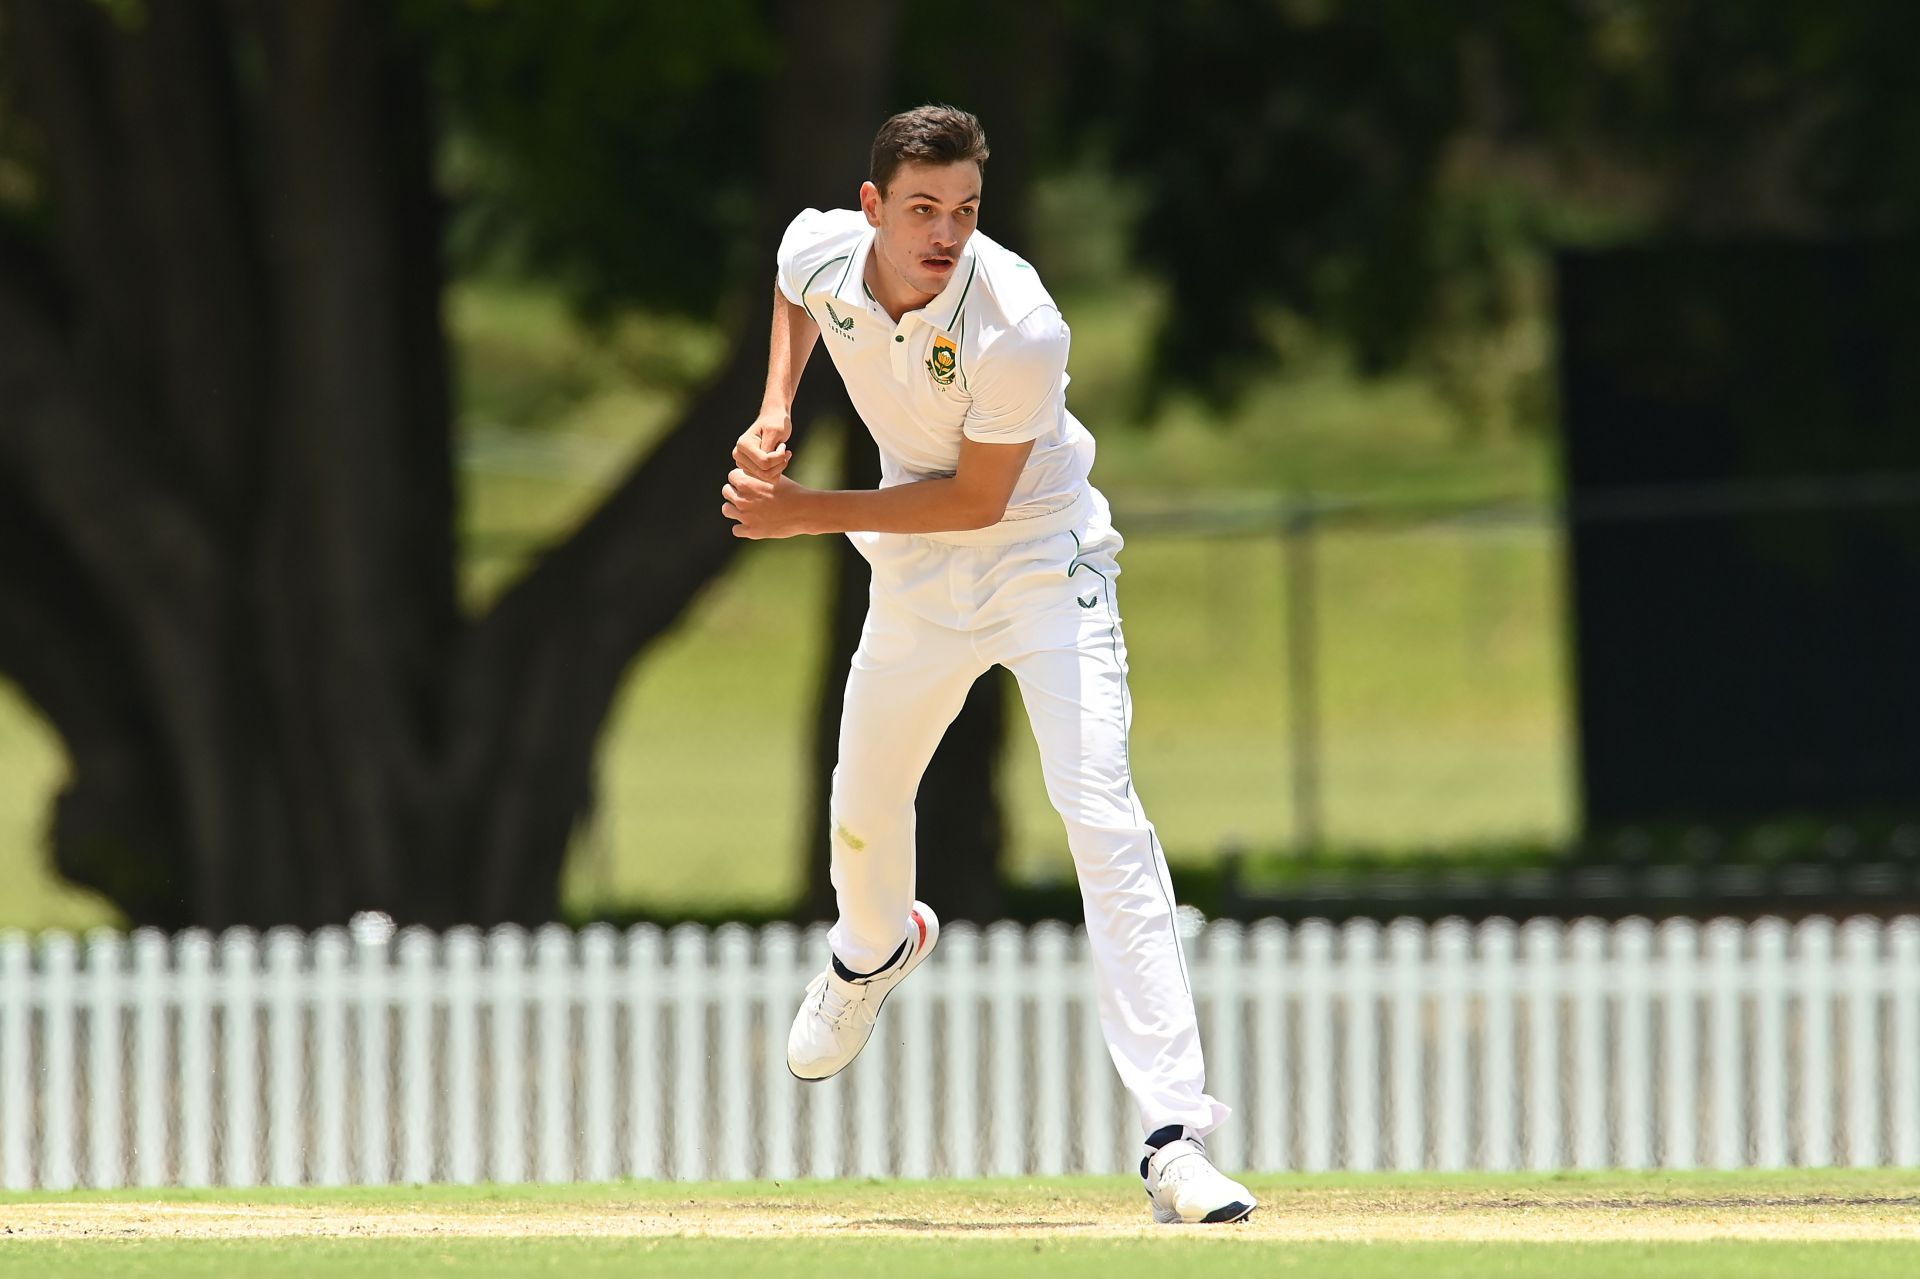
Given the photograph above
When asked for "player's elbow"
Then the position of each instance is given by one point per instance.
(987, 476)
(982, 511)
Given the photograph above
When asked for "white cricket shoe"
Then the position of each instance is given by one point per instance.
(836, 1018)
(1184, 1186)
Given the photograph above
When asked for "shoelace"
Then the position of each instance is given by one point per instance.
(1178, 1172)
(837, 1011)
(836, 1008)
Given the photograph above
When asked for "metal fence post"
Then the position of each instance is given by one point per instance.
(1303, 670)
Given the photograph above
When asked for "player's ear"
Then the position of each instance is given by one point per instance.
(870, 202)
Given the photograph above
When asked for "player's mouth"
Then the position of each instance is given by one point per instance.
(939, 266)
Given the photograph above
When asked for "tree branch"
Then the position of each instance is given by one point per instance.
(551, 653)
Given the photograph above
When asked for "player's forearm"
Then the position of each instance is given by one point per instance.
(794, 334)
(925, 506)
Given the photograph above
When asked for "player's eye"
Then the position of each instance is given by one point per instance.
(965, 212)
(923, 208)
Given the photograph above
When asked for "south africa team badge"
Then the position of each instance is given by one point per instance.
(942, 363)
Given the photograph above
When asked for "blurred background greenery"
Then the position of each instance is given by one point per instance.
(1306, 250)
(1444, 702)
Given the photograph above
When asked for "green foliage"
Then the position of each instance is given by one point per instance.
(1485, 343)
(1392, 172)
(1792, 119)
(1384, 171)
(1308, 185)
(128, 15)
(609, 146)
(21, 187)
(1395, 171)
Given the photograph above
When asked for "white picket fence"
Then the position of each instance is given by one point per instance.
(554, 1056)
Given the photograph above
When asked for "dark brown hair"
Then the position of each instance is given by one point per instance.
(933, 134)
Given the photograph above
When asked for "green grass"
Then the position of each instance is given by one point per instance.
(1347, 1226)
(33, 767)
(1283, 1194)
(1442, 695)
(938, 1259)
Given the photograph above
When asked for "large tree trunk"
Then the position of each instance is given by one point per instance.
(227, 567)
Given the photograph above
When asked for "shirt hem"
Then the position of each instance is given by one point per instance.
(1031, 528)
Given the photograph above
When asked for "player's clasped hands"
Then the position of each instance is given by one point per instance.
(762, 448)
(757, 495)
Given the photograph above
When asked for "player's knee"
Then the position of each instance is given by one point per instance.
(857, 827)
(1125, 843)
(1124, 892)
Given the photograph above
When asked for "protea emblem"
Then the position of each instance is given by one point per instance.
(944, 360)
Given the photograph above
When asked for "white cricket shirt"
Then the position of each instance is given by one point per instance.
(986, 360)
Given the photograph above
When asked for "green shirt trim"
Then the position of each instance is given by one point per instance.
(963, 293)
(809, 285)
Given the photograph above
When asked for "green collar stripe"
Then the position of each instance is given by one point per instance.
(844, 274)
(960, 356)
(963, 293)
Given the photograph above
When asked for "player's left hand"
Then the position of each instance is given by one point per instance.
(762, 508)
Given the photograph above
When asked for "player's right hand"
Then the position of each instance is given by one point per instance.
(762, 449)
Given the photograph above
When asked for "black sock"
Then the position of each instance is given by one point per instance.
(847, 974)
(1160, 1137)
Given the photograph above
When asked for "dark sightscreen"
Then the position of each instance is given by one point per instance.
(1742, 461)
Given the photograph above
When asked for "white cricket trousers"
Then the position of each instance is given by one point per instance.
(939, 616)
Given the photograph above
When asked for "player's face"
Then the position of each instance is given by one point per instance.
(924, 221)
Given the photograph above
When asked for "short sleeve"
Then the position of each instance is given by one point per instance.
(801, 234)
(1021, 382)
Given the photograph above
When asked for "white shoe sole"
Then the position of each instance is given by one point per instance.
(1227, 1215)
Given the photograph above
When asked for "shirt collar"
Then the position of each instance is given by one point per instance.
(850, 285)
(942, 313)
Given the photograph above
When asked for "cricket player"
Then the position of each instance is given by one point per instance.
(988, 546)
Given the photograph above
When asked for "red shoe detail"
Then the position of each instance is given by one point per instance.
(921, 924)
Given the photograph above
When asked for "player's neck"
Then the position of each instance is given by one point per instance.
(895, 296)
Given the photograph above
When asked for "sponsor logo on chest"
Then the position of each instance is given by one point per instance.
(842, 326)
